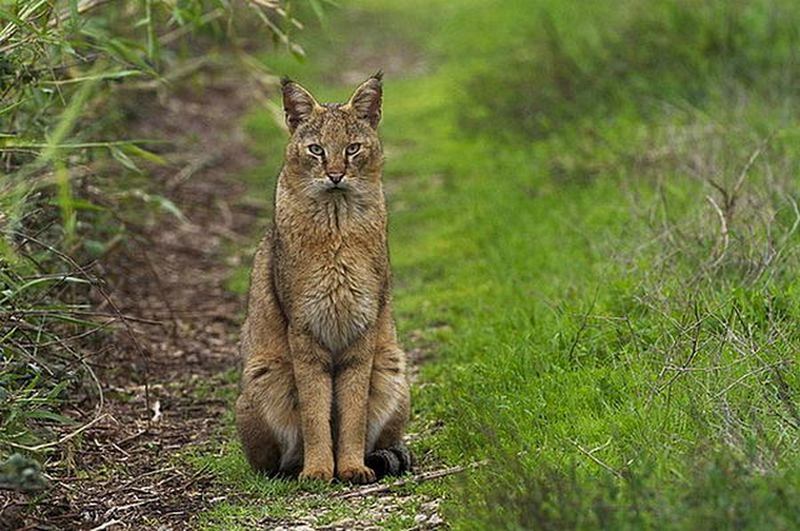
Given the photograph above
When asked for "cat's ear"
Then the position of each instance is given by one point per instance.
(366, 100)
(298, 103)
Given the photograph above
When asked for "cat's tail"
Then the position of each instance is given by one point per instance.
(393, 461)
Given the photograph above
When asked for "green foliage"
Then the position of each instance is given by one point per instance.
(594, 237)
(41, 333)
(67, 67)
(20, 473)
(719, 493)
(643, 56)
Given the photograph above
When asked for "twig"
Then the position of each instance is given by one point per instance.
(130, 438)
(100, 395)
(161, 288)
(698, 325)
(89, 313)
(749, 164)
(185, 69)
(106, 525)
(191, 168)
(118, 508)
(83, 7)
(785, 241)
(425, 476)
(132, 481)
(204, 472)
(729, 199)
(117, 313)
(584, 324)
(601, 447)
(62, 440)
(591, 456)
(176, 34)
(742, 378)
(722, 245)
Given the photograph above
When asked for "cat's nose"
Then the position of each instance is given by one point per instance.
(335, 177)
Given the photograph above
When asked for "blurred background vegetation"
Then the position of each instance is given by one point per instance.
(594, 234)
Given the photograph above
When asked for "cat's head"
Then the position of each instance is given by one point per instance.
(334, 148)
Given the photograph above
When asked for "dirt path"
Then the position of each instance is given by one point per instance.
(181, 339)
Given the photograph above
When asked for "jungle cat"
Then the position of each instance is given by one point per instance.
(324, 388)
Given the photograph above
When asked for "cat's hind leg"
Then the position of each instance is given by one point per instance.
(388, 412)
(268, 420)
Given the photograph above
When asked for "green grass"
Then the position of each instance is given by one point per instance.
(558, 186)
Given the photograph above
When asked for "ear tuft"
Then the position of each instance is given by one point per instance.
(298, 103)
(367, 99)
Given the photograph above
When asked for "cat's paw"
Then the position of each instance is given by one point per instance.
(359, 474)
(319, 474)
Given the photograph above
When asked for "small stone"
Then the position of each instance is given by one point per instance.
(429, 507)
(435, 520)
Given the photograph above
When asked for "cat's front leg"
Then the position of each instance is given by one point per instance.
(312, 367)
(351, 389)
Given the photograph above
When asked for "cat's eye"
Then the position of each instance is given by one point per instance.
(353, 148)
(316, 149)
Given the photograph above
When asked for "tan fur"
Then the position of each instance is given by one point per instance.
(324, 379)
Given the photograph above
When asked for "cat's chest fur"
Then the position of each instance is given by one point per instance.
(338, 300)
(332, 266)
(334, 286)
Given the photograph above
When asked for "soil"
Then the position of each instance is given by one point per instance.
(181, 339)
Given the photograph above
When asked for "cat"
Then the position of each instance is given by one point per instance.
(324, 388)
